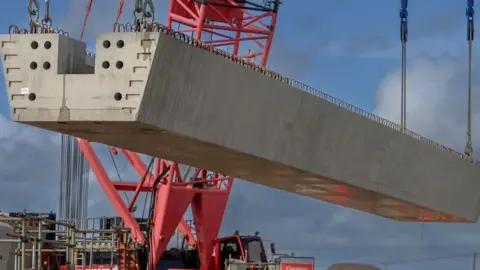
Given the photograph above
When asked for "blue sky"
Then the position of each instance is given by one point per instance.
(347, 48)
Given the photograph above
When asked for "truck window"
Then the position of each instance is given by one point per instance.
(255, 252)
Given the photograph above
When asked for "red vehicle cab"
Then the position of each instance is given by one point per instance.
(245, 248)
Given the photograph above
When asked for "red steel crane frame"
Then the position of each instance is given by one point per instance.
(230, 23)
(238, 18)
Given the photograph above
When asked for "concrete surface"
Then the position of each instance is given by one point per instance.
(189, 105)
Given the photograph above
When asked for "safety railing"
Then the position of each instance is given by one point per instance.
(376, 118)
(36, 29)
(155, 27)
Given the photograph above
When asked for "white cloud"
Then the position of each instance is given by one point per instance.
(436, 100)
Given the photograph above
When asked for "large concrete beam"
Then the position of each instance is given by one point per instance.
(160, 96)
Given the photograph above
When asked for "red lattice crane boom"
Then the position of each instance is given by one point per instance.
(246, 27)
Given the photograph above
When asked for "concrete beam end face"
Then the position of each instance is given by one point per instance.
(52, 78)
(29, 62)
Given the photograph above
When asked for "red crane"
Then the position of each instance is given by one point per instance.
(219, 23)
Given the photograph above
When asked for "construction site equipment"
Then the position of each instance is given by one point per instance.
(150, 103)
(161, 95)
(34, 242)
(206, 191)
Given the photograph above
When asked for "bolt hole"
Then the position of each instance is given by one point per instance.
(106, 44)
(32, 96)
(34, 45)
(117, 96)
(33, 65)
(119, 64)
(46, 65)
(105, 64)
(47, 45)
(120, 44)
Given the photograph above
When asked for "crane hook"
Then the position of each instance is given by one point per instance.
(33, 11)
(47, 20)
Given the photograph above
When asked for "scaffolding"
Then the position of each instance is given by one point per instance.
(36, 242)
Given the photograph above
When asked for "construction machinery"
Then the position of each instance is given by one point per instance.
(36, 241)
(60, 62)
(217, 24)
(165, 93)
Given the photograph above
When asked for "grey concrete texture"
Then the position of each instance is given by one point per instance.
(189, 105)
